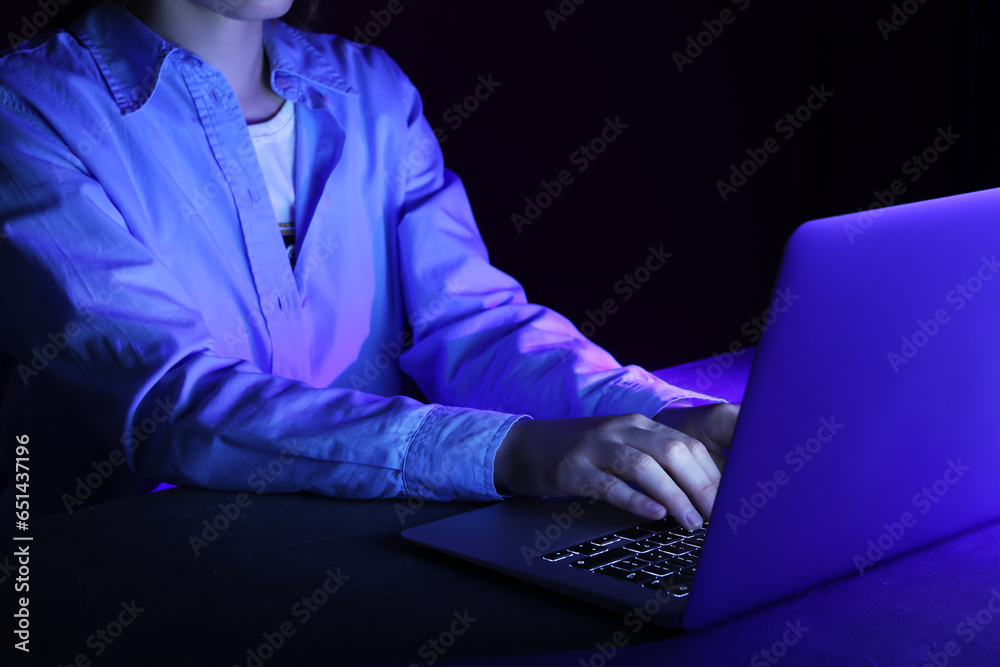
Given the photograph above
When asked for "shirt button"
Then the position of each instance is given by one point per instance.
(282, 82)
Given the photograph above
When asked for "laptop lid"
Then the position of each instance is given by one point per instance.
(870, 422)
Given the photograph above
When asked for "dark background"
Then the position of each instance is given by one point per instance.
(657, 183)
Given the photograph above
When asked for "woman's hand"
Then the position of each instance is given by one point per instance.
(712, 425)
(598, 456)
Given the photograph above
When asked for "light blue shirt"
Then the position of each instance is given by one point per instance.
(152, 328)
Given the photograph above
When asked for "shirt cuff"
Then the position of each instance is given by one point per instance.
(642, 392)
(451, 455)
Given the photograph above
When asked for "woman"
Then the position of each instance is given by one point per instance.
(230, 243)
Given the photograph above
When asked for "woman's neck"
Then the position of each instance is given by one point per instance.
(233, 46)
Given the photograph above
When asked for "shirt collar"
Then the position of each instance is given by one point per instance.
(130, 57)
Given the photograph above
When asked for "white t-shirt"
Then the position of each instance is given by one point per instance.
(274, 141)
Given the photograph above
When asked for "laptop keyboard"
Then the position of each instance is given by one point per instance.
(656, 554)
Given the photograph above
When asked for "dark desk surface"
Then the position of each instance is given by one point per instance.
(208, 609)
(394, 597)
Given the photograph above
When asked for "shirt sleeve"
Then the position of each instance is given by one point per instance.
(482, 344)
(97, 332)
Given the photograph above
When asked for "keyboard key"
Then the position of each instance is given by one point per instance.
(587, 549)
(659, 571)
(678, 579)
(605, 541)
(682, 561)
(655, 556)
(601, 559)
(670, 584)
(695, 542)
(631, 564)
(676, 549)
(680, 591)
(634, 533)
(641, 546)
(683, 534)
(638, 577)
(664, 539)
(659, 526)
(558, 555)
(649, 557)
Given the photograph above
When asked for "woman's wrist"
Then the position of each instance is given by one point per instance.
(504, 461)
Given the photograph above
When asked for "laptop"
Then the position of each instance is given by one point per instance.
(868, 428)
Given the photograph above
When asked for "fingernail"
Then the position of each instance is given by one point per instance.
(656, 509)
(693, 519)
